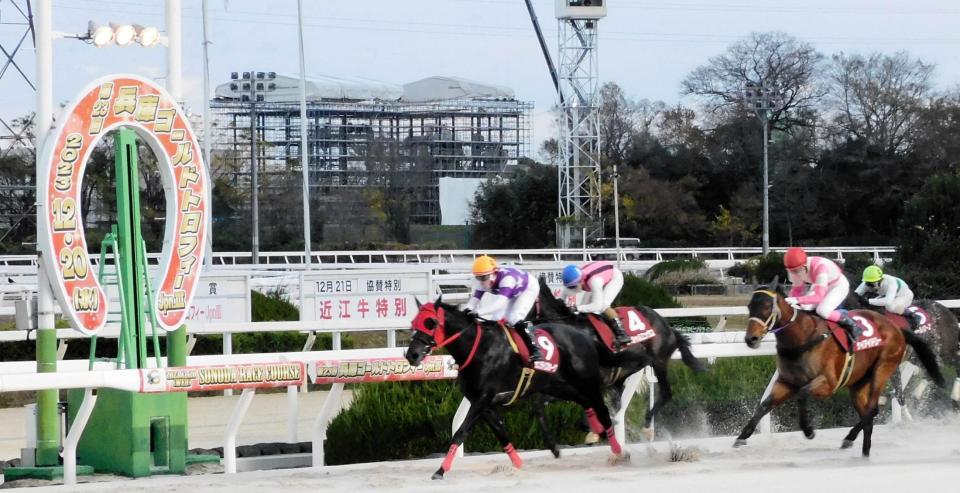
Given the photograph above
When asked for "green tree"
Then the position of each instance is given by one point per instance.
(519, 212)
(929, 233)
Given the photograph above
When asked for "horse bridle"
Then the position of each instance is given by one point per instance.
(774, 314)
(432, 343)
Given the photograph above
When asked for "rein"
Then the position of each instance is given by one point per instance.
(768, 324)
(440, 344)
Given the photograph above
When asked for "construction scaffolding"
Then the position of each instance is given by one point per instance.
(360, 144)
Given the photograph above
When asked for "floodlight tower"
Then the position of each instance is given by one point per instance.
(579, 167)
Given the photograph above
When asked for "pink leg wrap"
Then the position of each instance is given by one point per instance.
(450, 455)
(614, 444)
(594, 422)
(512, 452)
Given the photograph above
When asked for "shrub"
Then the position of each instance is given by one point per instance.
(417, 417)
(685, 265)
(770, 266)
(638, 291)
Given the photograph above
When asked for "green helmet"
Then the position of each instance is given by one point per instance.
(872, 274)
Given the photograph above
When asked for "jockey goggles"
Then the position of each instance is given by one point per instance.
(483, 278)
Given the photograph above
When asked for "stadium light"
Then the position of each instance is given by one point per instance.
(120, 34)
(99, 35)
(123, 34)
(147, 36)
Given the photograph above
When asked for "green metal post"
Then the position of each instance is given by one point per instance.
(177, 347)
(48, 422)
(128, 220)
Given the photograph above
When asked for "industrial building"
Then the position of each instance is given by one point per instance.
(429, 134)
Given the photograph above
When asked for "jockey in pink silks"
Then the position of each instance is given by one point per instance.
(827, 291)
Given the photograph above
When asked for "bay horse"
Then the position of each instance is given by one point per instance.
(490, 374)
(658, 349)
(809, 363)
(943, 336)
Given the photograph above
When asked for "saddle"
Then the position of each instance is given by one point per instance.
(868, 339)
(903, 324)
(540, 337)
(634, 324)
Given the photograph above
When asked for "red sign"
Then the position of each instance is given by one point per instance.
(383, 370)
(111, 102)
(222, 377)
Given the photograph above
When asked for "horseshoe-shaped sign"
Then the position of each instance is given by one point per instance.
(133, 102)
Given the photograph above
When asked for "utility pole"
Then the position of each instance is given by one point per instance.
(761, 99)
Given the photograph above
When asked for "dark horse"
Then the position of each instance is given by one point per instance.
(943, 337)
(658, 350)
(809, 363)
(490, 374)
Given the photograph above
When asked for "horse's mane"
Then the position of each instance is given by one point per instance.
(554, 304)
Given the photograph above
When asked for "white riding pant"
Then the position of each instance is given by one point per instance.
(834, 297)
(518, 308)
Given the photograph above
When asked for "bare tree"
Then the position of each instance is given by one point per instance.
(776, 60)
(878, 99)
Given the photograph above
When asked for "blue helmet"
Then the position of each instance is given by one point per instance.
(571, 275)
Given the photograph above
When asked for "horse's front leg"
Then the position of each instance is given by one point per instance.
(805, 425)
(549, 439)
(495, 420)
(778, 394)
(476, 411)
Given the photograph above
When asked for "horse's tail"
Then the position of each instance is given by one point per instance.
(925, 355)
(683, 344)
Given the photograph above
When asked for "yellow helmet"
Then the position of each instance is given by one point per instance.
(872, 274)
(484, 265)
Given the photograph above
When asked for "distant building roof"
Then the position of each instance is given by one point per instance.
(437, 88)
(287, 89)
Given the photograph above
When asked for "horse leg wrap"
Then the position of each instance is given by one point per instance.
(955, 394)
(614, 444)
(594, 422)
(450, 455)
(514, 457)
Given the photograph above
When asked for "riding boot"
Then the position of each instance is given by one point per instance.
(521, 328)
(619, 335)
(852, 328)
(913, 319)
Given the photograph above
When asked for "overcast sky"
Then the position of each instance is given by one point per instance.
(646, 46)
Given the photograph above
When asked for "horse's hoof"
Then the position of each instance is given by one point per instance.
(648, 433)
(739, 442)
(620, 458)
(591, 438)
(846, 443)
(438, 474)
(556, 452)
(810, 435)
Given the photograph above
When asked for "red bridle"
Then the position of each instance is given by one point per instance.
(437, 335)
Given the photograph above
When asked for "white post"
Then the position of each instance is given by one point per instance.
(458, 419)
(230, 440)
(73, 437)
(227, 351)
(292, 413)
(174, 52)
(323, 421)
(304, 146)
(765, 425)
(207, 138)
(629, 390)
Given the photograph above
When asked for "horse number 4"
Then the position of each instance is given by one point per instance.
(635, 322)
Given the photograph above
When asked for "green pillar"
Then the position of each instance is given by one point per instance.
(48, 422)
(177, 347)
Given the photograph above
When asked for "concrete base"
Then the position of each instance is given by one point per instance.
(281, 461)
(48, 473)
(202, 459)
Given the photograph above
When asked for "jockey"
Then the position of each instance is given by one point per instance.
(893, 294)
(603, 282)
(828, 288)
(508, 294)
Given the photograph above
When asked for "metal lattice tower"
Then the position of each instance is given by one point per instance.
(579, 169)
(16, 37)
